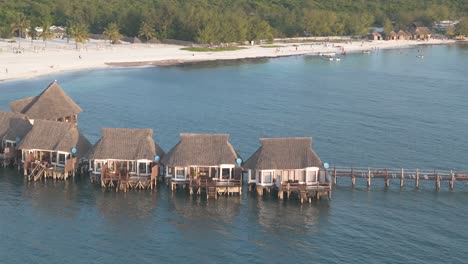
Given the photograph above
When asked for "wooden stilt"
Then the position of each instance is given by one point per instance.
(402, 176)
(334, 175)
(387, 180)
(437, 182)
(368, 178)
(259, 191)
(353, 179)
(452, 179)
(417, 179)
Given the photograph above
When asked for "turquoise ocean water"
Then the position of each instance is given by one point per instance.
(386, 109)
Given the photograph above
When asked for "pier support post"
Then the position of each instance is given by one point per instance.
(417, 179)
(387, 180)
(334, 175)
(437, 182)
(259, 191)
(401, 178)
(368, 178)
(451, 180)
(353, 179)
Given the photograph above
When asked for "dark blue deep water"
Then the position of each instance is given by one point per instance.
(386, 109)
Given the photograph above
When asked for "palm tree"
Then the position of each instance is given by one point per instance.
(147, 31)
(20, 23)
(46, 33)
(79, 32)
(111, 32)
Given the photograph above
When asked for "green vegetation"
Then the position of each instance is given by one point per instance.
(221, 21)
(46, 32)
(147, 31)
(79, 32)
(112, 33)
(462, 27)
(214, 49)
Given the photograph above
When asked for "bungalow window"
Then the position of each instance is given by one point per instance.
(302, 174)
(267, 177)
(226, 173)
(214, 172)
(61, 158)
(131, 166)
(203, 171)
(170, 171)
(91, 165)
(180, 173)
(311, 176)
(143, 168)
(285, 176)
(54, 157)
(252, 175)
(279, 175)
(98, 166)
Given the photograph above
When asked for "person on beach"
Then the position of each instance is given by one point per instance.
(6, 70)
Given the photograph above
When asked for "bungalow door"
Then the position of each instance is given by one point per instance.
(311, 177)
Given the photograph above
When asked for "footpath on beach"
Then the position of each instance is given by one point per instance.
(35, 58)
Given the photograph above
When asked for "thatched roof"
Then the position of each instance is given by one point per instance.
(55, 136)
(418, 24)
(403, 33)
(126, 144)
(202, 150)
(392, 33)
(135, 40)
(284, 154)
(154, 41)
(52, 103)
(422, 31)
(13, 125)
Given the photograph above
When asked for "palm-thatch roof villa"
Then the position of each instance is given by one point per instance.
(204, 161)
(403, 35)
(419, 31)
(287, 165)
(52, 149)
(13, 128)
(52, 104)
(125, 158)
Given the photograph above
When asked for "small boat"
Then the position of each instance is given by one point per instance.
(366, 52)
(420, 56)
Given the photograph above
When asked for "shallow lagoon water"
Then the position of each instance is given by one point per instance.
(386, 109)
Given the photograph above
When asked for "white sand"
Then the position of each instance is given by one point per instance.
(35, 59)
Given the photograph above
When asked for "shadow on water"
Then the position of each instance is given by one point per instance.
(220, 63)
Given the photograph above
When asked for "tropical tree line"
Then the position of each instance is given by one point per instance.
(215, 21)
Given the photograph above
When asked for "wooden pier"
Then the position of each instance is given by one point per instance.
(122, 180)
(36, 170)
(400, 175)
(214, 188)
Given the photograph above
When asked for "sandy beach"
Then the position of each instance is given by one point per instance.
(37, 58)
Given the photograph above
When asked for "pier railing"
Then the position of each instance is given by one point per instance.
(400, 174)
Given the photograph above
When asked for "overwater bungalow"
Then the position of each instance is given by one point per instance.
(288, 165)
(125, 158)
(52, 149)
(52, 104)
(13, 127)
(204, 162)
